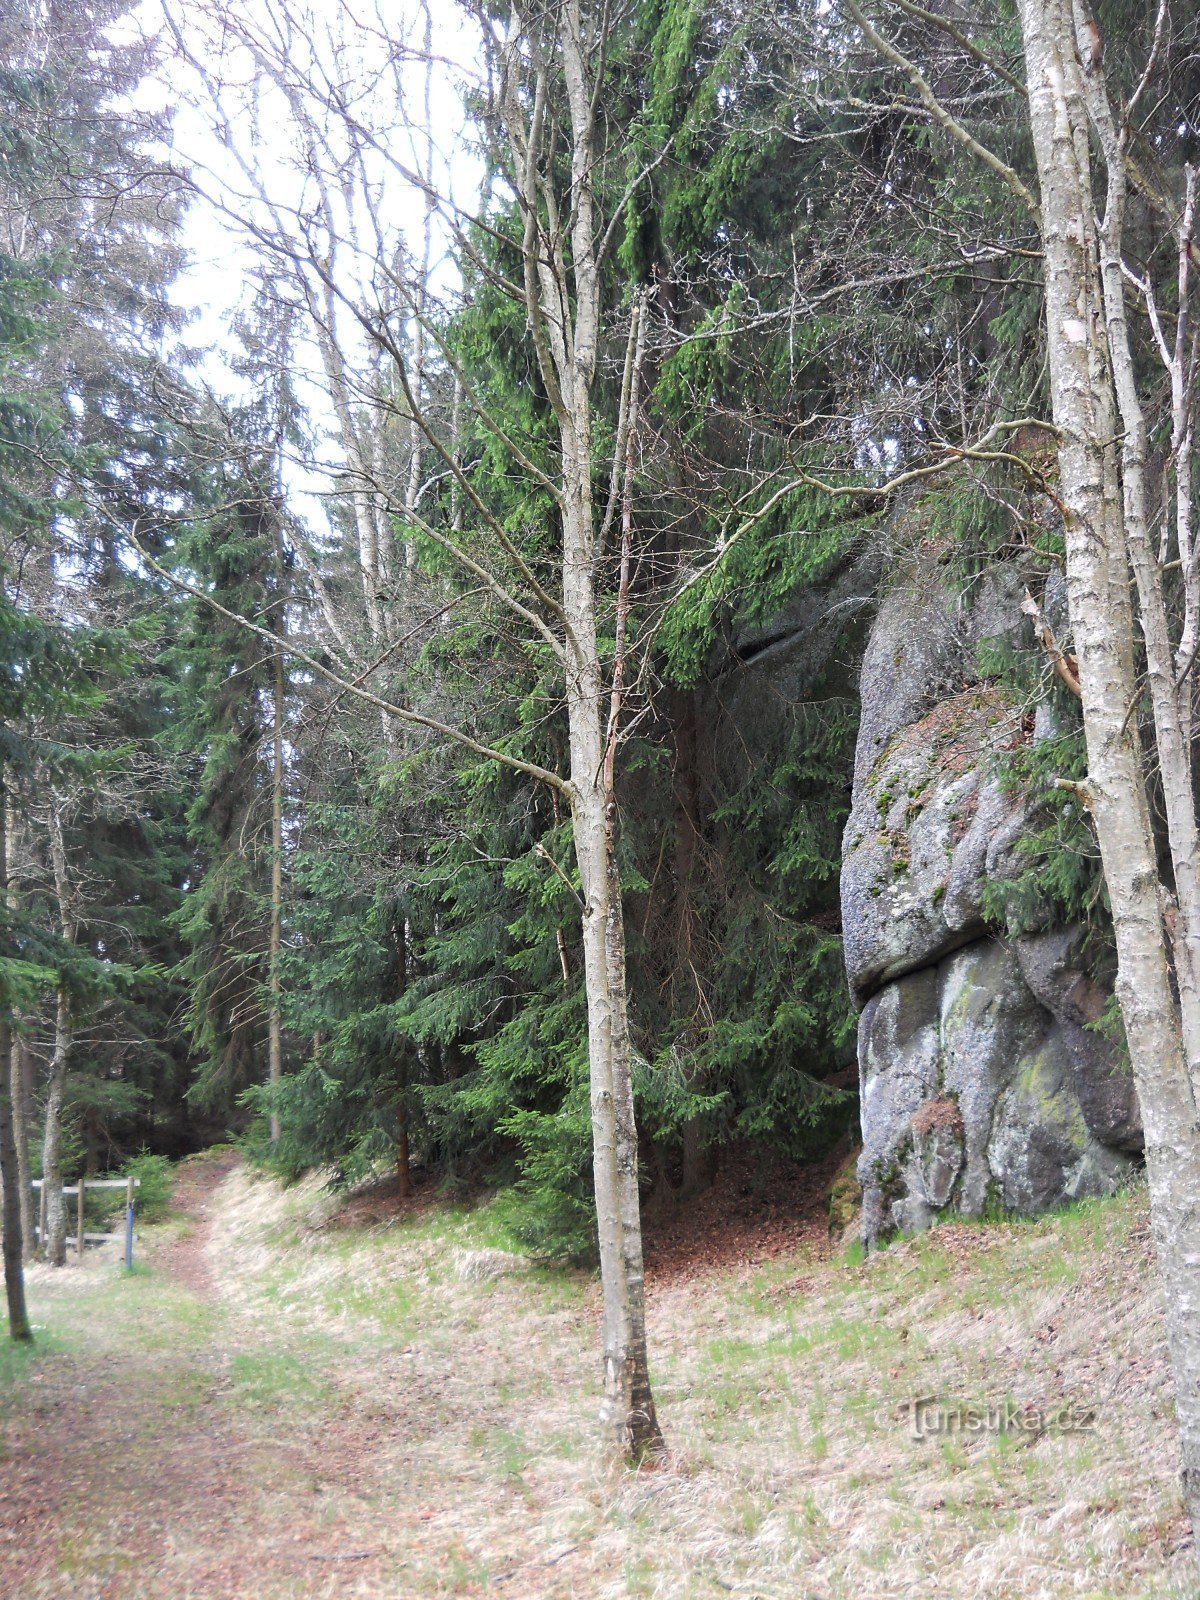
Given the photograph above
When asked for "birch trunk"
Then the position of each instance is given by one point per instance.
(25, 1113)
(628, 1408)
(14, 1275)
(1172, 722)
(1084, 408)
(403, 1164)
(20, 1116)
(562, 306)
(52, 1177)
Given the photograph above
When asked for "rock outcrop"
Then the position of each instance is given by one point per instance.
(981, 1084)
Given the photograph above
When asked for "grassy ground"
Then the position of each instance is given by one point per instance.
(283, 1405)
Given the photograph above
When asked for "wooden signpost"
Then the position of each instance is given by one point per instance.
(81, 1238)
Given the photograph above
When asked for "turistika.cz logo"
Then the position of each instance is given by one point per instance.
(930, 1416)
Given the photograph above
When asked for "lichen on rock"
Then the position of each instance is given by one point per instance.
(981, 1079)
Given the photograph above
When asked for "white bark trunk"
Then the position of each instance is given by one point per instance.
(563, 312)
(21, 1138)
(15, 1067)
(628, 1408)
(52, 1177)
(1171, 731)
(1082, 395)
(10, 1200)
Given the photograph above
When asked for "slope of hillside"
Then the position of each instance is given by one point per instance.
(298, 1399)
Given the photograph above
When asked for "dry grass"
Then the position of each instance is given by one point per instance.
(446, 1390)
(792, 1468)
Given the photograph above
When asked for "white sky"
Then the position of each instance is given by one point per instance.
(261, 132)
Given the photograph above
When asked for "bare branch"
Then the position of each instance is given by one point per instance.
(349, 686)
(939, 113)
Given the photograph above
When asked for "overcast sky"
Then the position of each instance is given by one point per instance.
(260, 131)
(221, 256)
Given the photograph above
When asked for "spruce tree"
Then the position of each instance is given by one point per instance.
(223, 732)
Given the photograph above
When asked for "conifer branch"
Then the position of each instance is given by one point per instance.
(417, 719)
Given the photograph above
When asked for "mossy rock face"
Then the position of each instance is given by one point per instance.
(1041, 1149)
(972, 1098)
(916, 855)
(939, 1138)
(983, 1090)
(919, 846)
(845, 1197)
(1055, 967)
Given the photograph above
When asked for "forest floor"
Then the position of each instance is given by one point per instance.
(295, 1398)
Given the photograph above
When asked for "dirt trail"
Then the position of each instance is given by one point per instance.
(125, 1472)
(185, 1259)
(303, 1400)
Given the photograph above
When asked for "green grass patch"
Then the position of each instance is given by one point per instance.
(19, 1361)
(276, 1378)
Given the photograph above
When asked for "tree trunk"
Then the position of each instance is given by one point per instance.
(17, 1089)
(52, 1177)
(1084, 410)
(25, 1094)
(20, 1122)
(60, 1061)
(403, 1170)
(274, 1012)
(10, 1205)
(562, 306)
(14, 1275)
(628, 1408)
(1171, 710)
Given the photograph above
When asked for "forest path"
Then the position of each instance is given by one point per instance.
(294, 1398)
(165, 1446)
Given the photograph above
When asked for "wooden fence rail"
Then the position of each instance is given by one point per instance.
(79, 1190)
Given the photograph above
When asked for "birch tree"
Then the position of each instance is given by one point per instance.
(561, 248)
(547, 71)
(1102, 463)
(55, 1242)
(19, 1085)
(1130, 559)
(275, 935)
